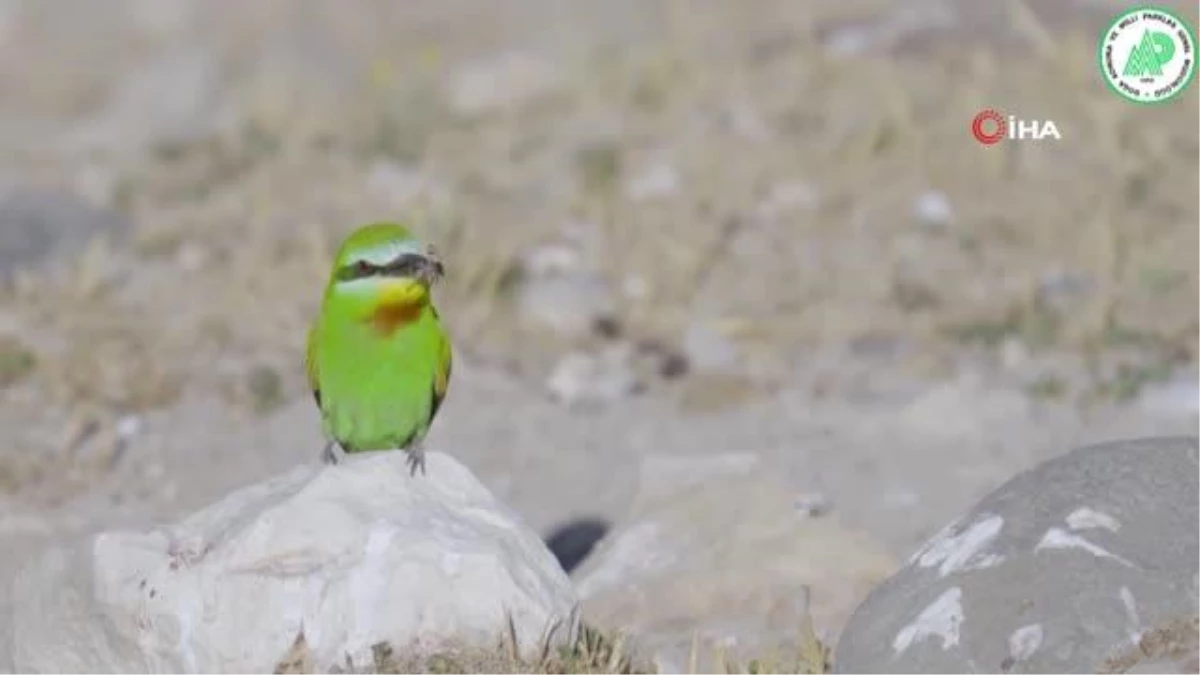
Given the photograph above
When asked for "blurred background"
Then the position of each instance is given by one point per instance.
(736, 269)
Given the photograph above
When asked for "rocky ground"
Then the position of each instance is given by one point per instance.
(735, 270)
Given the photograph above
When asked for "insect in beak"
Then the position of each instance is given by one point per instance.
(433, 270)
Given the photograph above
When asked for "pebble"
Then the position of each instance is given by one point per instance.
(812, 505)
(786, 197)
(657, 181)
(933, 208)
(559, 294)
(583, 378)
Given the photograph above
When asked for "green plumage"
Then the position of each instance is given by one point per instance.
(378, 359)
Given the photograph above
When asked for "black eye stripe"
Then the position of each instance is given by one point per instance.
(405, 266)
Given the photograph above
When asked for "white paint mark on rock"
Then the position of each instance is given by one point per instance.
(942, 618)
(963, 551)
(1056, 538)
(1135, 622)
(1024, 641)
(1085, 519)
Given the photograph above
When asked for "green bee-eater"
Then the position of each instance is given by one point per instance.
(378, 361)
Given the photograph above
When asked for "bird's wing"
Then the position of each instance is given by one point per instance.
(441, 376)
(310, 364)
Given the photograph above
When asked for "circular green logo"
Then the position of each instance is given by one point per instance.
(1148, 55)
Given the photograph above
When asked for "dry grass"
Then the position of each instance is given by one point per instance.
(591, 651)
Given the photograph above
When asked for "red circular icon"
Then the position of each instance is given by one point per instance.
(985, 119)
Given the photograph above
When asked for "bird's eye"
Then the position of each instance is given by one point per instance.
(362, 267)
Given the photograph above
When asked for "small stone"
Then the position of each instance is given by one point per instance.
(812, 505)
(657, 181)
(933, 208)
(608, 327)
(635, 287)
(850, 41)
(582, 378)
(744, 122)
(1064, 291)
(552, 259)
(673, 366)
(128, 426)
(786, 197)
(567, 305)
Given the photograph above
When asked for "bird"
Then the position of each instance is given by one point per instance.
(377, 358)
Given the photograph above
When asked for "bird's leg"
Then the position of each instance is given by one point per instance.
(416, 458)
(332, 454)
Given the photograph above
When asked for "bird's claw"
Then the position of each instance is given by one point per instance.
(330, 455)
(416, 460)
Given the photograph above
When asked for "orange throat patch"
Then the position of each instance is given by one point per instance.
(391, 316)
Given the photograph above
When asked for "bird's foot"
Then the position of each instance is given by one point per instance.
(333, 453)
(416, 459)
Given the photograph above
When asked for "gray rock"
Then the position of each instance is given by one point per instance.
(1061, 569)
(345, 556)
(35, 223)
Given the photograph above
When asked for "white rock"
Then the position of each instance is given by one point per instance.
(352, 555)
